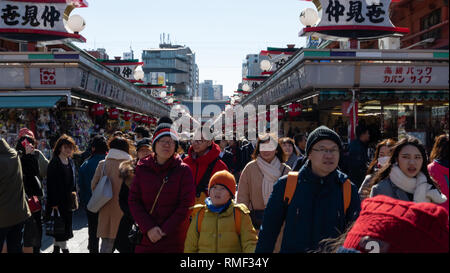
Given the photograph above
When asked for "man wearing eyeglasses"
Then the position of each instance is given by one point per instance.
(316, 211)
(203, 158)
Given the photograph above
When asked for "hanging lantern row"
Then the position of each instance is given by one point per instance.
(114, 113)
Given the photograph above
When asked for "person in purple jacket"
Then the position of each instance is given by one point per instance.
(161, 194)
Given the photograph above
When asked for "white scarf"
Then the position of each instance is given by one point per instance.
(418, 186)
(118, 154)
(271, 172)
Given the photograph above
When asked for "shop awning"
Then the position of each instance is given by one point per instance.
(29, 101)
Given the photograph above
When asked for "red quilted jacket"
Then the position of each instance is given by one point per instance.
(171, 211)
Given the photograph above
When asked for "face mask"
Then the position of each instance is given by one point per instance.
(383, 160)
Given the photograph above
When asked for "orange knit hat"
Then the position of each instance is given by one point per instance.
(224, 178)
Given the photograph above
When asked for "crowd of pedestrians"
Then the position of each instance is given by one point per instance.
(169, 194)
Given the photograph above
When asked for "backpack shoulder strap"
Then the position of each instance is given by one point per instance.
(200, 215)
(206, 176)
(291, 185)
(347, 192)
(237, 220)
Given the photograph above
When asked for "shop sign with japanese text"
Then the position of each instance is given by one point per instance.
(36, 20)
(405, 76)
(354, 19)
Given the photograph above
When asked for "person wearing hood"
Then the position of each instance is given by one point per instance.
(438, 168)
(382, 155)
(110, 214)
(204, 160)
(316, 211)
(161, 194)
(406, 176)
(14, 209)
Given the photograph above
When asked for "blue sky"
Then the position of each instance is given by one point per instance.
(221, 33)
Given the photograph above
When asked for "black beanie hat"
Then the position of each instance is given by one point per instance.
(322, 133)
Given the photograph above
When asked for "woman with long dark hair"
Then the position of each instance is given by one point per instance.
(406, 176)
(382, 155)
(61, 187)
(438, 166)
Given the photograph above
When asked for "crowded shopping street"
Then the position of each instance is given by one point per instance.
(312, 127)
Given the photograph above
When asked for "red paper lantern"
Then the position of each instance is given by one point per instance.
(295, 110)
(144, 119)
(127, 116)
(99, 109)
(281, 113)
(137, 117)
(113, 113)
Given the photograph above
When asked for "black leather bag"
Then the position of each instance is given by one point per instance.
(55, 226)
(257, 218)
(135, 236)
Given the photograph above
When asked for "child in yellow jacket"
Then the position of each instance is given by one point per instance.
(215, 228)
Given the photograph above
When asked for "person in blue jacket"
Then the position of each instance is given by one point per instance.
(99, 148)
(316, 211)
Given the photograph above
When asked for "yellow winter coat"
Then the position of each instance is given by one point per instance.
(218, 233)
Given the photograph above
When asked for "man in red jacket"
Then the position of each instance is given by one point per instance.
(203, 158)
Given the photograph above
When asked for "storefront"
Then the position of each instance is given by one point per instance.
(396, 92)
(55, 93)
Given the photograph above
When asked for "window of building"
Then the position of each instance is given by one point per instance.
(428, 21)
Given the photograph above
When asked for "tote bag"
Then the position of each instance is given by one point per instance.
(101, 194)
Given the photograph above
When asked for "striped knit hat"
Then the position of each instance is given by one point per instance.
(164, 129)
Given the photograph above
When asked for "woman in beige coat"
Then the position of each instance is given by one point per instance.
(110, 214)
(259, 176)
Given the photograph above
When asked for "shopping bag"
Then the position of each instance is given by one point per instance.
(101, 194)
(55, 226)
(34, 204)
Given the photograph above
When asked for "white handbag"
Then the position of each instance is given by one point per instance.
(101, 194)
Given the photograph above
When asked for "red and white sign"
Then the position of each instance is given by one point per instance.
(48, 76)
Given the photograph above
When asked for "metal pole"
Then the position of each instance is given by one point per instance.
(415, 115)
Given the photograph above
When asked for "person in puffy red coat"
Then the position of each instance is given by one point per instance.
(162, 191)
(202, 154)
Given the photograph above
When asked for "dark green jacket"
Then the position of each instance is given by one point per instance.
(13, 204)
